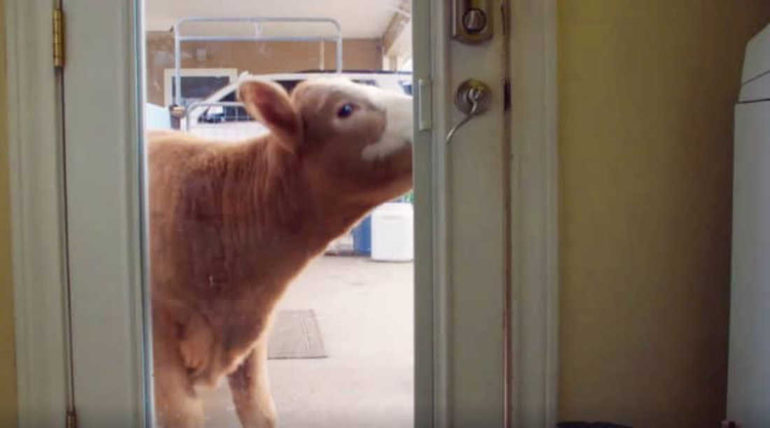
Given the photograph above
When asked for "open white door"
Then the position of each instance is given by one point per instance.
(465, 299)
(461, 188)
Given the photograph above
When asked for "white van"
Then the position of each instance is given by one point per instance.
(232, 122)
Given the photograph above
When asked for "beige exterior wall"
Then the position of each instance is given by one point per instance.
(257, 58)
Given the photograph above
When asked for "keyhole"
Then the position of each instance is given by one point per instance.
(474, 20)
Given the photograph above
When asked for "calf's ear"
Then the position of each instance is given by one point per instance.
(269, 103)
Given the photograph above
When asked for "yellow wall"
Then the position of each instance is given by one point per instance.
(646, 112)
(7, 368)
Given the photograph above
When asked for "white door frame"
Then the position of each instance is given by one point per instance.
(37, 216)
(534, 185)
(39, 235)
(102, 104)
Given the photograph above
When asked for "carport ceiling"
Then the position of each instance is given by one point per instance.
(358, 18)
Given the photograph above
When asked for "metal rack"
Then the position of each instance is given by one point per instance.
(178, 111)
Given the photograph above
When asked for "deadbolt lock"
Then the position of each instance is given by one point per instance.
(472, 20)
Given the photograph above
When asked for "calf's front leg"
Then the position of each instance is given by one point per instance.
(176, 403)
(250, 389)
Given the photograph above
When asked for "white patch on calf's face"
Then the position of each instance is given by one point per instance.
(398, 116)
(398, 128)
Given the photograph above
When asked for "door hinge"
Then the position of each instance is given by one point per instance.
(72, 419)
(58, 38)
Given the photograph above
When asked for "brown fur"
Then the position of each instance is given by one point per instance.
(232, 223)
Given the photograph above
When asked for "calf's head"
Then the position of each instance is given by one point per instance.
(352, 140)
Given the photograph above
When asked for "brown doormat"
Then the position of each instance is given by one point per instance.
(295, 335)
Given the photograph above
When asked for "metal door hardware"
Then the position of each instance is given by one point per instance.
(472, 20)
(58, 38)
(472, 98)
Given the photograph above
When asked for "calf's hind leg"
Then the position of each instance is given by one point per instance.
(250, 389)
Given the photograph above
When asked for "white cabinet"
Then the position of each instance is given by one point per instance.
(748, 396)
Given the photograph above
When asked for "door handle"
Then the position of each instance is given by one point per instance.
(472, 98)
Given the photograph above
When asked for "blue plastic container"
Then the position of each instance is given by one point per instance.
(362, 237)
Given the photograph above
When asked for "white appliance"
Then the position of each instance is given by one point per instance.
(748, 395)
(392, 236)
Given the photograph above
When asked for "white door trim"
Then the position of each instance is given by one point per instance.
(38, 227)
(534, 227)
(535, 240)
(104, 158)
(534, 224)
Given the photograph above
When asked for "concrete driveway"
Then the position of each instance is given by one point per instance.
(365, 313)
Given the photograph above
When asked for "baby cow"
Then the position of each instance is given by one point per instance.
(232, 224)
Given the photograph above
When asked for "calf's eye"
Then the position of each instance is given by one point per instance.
(345, 111)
